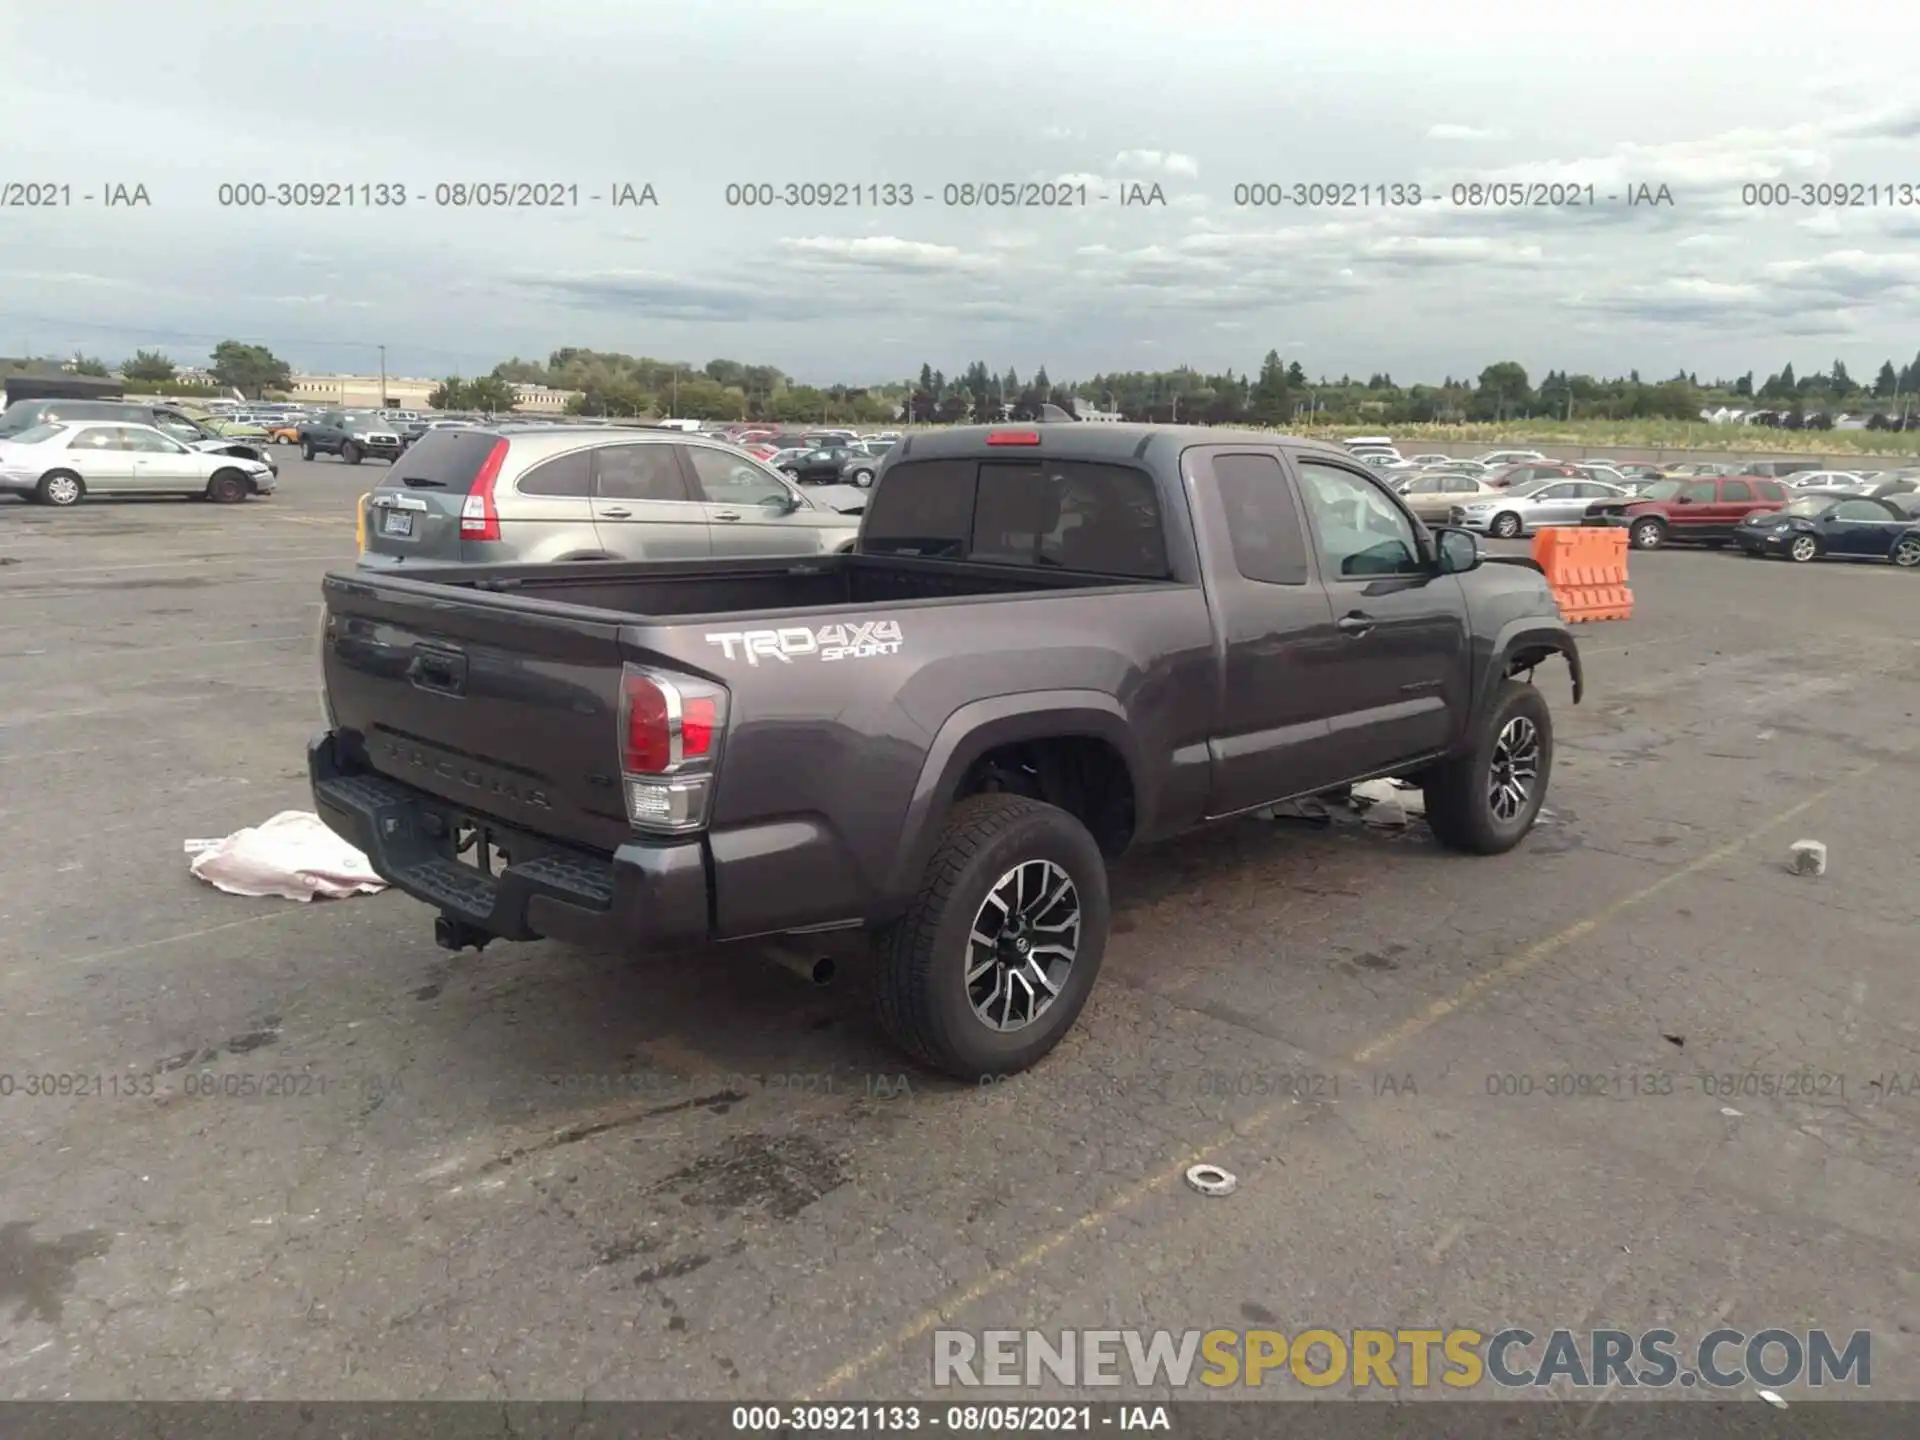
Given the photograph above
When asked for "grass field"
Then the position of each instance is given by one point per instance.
(1652, 434)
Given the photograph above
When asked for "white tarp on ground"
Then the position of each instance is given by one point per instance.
(293, 855)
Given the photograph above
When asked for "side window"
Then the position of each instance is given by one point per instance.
(1461, 485)
(564, 475)
(1556, 492)
(925, 507)
(146, 442)
(728, 480)
(100, 437)
(1771, 490)
(638, 472)
(1360, 532)
(1070, 515)
(1269, 543)
(1701, 492)
(1859, 510)
(1732, 490)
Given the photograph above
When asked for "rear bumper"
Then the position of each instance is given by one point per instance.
(648, 896)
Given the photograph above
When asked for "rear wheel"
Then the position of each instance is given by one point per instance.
(1803, 548)
(1907, 553)
(306, 449)
(1506, 525)
(862, 478)
(1484, 802)
(350, 453)
(1648, 534)
(60, 487)
(994, 959)
(228, 487)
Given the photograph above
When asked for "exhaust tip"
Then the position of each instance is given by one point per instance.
(813, 968)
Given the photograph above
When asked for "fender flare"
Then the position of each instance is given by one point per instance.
(983, 725)
(1519, 636)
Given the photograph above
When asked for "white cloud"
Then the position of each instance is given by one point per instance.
(1463, 132)
(880, 252)
(1157, 162)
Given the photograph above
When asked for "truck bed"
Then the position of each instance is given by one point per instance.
(708, 589)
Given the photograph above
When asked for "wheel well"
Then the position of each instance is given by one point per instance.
(1524, 661)
(1082, 774)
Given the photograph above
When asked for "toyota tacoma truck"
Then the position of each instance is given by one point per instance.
(1049, 645)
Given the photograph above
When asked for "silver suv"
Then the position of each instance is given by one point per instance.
(536, 493)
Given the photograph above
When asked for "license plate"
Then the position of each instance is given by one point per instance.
(396, 522)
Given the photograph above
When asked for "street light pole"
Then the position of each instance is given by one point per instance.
(383, 377)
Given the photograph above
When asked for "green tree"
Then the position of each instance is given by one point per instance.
(1886, 382)
(87, 365)
(1270, 402)
(449, 394)
(1503, 386)
(149, 367)
(491, 394)
(250, 369)
(523, 372)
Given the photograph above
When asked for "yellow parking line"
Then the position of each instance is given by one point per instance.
(1529, 959)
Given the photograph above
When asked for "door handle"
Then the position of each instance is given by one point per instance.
(726, 514)
(615, 513)
(1355, 624)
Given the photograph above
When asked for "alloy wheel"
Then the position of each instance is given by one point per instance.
(1907, 554)
(62, 490)
(1803, 548)
(1515, 768)
(1025, 937)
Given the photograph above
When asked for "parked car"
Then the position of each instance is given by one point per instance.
(169, 419)
(353, 435)
(538, 493)
(1848, 527)
(1522, 472)
(1495, 459)
(825, 465)
(664, 757)
(1899, 484)
(1779, 469)
(1632, 472)
(61, 463)
(1432, 496)
(1701, 470)
(1697, 511)
(1605, 474)
(1426, 460)
(1533, 505)
(284, 431)
(1828, 480)
(1458, 467)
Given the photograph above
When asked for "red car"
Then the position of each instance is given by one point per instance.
(1703, 512)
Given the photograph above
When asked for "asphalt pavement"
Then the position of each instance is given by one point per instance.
(298, 1151)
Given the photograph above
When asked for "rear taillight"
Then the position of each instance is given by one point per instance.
(671, 727)
(479, 519)
(1014, 437)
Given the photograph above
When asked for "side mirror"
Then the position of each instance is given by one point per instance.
(1458, 550)
(1683, 499)
(785, 503)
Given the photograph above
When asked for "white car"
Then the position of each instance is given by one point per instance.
(1494, 459)
(1533, 505)
(1428, 459)
(1827, 480)
(63, 463)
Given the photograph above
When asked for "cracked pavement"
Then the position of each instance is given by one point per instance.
(312, 1156)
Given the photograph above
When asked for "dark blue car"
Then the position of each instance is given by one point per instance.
(1815, 527)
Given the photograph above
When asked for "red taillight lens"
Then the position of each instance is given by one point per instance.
(1014, 437)
(648, 742)
(479, 519)
(698, 720)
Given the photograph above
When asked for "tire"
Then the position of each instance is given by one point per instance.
(228, 487)
(283, 440)
(1506, 526)
(350, 453)
(1648, 534)
(924, 999)
(862, 478)
(1906, 554)
(306, 450)
(1803, 548)
(1460, 793)
(791, 474)
(60, 488)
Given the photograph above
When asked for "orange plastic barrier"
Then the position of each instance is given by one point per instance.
(360, 524)
(1587, 568)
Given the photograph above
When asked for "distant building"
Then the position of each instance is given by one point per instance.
(362, 392)
(540, 400)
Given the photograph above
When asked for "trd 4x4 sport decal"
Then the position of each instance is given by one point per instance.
(853, 640)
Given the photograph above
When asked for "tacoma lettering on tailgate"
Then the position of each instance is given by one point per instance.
(852, 640)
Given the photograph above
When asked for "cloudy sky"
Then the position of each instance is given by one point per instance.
(1200, 98)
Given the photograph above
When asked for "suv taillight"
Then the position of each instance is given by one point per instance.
(479, 519)
(671, 727)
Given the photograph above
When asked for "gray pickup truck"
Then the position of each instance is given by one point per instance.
(1051, 643)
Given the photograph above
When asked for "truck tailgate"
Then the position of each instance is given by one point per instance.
(505, 707)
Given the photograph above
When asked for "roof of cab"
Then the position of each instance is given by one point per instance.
(1088, 441)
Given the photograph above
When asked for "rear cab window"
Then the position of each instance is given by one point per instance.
(442, 460)
(1073, 515)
